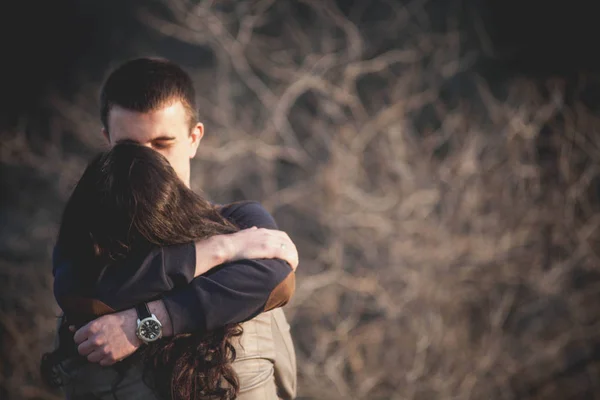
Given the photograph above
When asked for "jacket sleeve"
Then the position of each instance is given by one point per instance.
(135, 280)
(236, 291)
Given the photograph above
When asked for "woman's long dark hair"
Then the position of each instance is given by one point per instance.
(128, 201)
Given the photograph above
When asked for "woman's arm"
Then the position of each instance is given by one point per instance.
(247, 244)
(243, 288)
(232, 294)
(123, 286)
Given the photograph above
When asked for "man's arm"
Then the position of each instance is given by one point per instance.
(234, 293)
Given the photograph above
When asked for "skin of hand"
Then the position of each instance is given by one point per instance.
(255, 243)
(252, 243)
(111, 338)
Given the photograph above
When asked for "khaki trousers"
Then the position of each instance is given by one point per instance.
(265, 358)
(265, 364)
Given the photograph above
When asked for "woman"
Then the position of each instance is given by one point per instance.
(129, 201)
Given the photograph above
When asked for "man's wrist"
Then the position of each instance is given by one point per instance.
(130, 322)
(158, 308)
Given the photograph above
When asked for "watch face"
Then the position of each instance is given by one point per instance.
(149, 329)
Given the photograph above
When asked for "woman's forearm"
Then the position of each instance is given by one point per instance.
(210, 253)
(252, 243)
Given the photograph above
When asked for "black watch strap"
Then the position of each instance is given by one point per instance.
(143, 311)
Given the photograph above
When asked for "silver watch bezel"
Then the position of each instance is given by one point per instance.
(138, 330)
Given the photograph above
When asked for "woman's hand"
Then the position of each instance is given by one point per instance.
(256, 243)
(252, 243)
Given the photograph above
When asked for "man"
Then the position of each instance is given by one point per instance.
(152, 102)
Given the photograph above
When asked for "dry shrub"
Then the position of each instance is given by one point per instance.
(447, 232)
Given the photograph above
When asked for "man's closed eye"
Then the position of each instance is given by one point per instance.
(162, 145)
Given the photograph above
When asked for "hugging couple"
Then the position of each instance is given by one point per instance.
(164, 294)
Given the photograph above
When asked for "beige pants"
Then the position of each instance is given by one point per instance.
(265, 360)
(265, 364)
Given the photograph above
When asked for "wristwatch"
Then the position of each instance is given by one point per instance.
(149, 328)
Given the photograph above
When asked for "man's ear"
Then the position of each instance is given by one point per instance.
(195, 137)
(106, 135)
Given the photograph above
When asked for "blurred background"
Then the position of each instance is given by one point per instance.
(436, 162)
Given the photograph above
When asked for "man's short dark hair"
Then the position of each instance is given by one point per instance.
(147, 84)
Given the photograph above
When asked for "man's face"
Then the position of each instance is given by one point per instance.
(166, 130)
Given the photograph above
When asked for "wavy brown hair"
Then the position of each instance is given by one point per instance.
(128, 201)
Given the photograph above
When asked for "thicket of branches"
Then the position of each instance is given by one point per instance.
(448, 231)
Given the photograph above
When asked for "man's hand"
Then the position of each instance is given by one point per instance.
(109, 338)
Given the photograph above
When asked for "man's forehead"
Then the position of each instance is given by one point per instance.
(172, 109)
(141, 136)
(160, 125)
